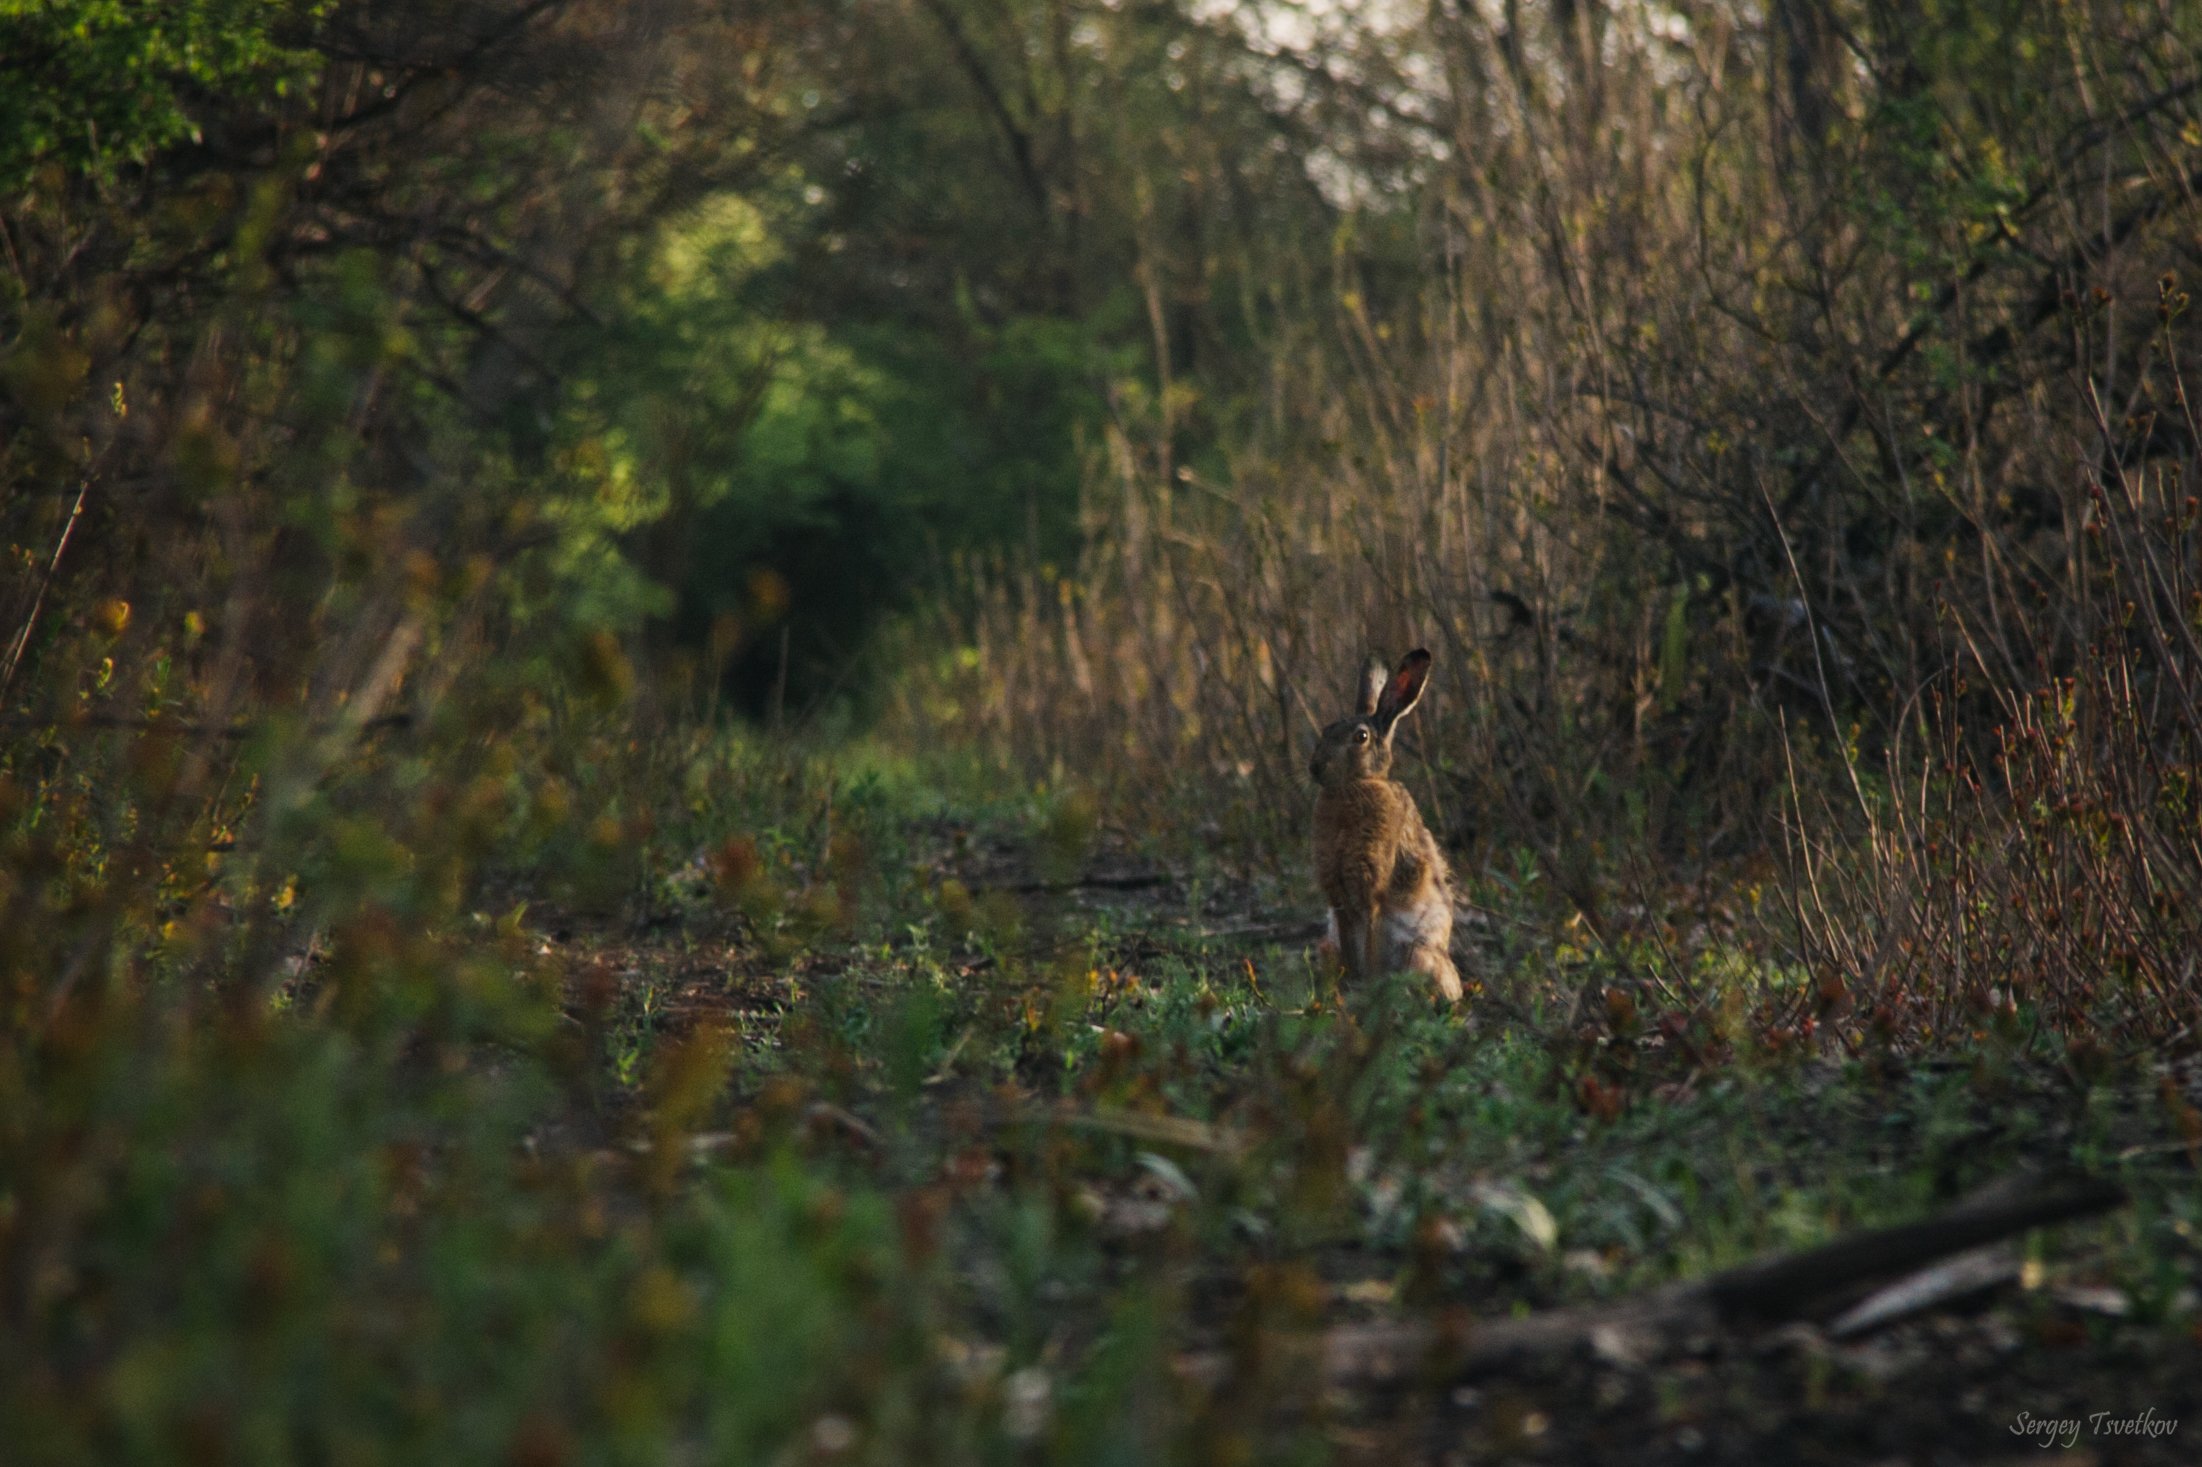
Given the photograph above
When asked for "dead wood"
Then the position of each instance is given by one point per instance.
(1259, 934)
(1779, 1290)
(1171, 1130)
(1798, 1285)
(1091, 881)
(1943, 1283)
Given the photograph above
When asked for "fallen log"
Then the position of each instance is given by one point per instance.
(1934, 1287)
(1791, 1287)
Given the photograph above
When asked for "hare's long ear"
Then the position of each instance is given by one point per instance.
(1371, 689)
(1403, 691)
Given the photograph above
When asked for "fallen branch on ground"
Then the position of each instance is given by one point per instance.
(1096, 880)
(1779, 1290)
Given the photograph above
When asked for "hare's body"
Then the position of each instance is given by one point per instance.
(1389, 890)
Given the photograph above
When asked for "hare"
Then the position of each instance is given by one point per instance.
(1389, 889)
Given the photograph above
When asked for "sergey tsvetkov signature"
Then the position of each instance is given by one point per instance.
(2065, 1431)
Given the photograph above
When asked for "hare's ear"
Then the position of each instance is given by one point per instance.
(1371, 689)
(1403, 691)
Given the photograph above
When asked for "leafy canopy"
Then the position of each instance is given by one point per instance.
(94, 85)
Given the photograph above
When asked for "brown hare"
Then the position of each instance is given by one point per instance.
(1389, 889)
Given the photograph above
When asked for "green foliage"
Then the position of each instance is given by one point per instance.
(753, 472)
(91, 86)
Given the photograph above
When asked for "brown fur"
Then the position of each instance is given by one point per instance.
(1380, 870)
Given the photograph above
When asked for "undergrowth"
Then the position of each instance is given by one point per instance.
(869, 1131)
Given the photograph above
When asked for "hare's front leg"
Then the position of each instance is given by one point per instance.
(1359, 939)
(1356, 929)
(1374, 945)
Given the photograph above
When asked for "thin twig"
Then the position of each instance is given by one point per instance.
(38, 599)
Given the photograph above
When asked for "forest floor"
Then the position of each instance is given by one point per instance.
(1121, 1115)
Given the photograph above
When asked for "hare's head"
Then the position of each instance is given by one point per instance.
(1360, 747)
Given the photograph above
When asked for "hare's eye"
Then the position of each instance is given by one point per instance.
(1360, 735)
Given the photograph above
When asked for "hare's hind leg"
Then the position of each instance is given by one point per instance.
(1421, 936)
(1438, 963)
